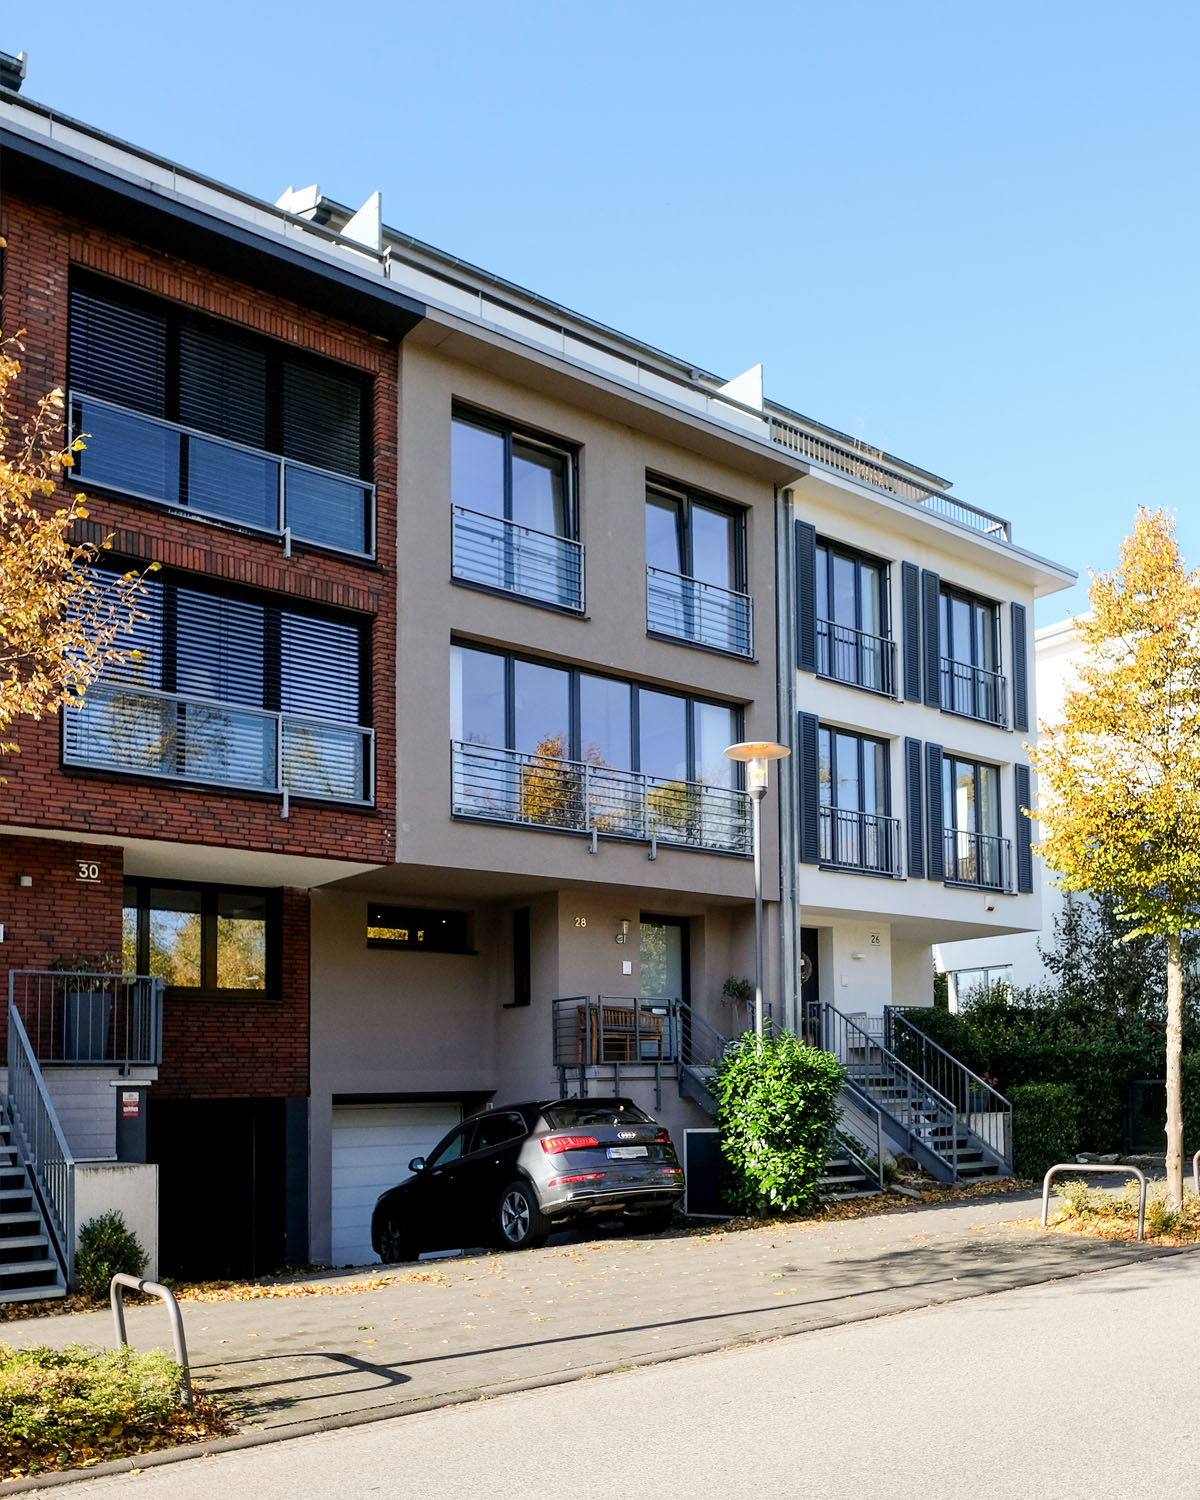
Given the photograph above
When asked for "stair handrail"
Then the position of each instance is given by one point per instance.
(42, 1143)
(954, 1069)
(688, 1027)
(942, 1106)
(864, 1102)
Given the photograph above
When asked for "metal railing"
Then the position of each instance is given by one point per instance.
(981, 1109)
(980, 859)
(892, 1086)
(852, 840)
(116, 1297)
(148, 458)
(544, 791)
(973, 691)
(689, 609)
(856, 657)
(1081, 1169)
(40, 1140)
(516, 559)
(75, 1019)
(859, 1131)
(145, 732)
(965, 514)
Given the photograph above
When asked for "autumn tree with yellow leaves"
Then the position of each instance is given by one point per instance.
(59, 619)
(1119, 777)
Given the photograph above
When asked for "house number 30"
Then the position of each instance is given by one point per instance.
(86, 870)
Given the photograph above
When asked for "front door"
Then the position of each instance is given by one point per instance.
(810, 986)
(664, 971)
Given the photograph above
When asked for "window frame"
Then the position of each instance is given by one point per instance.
(210, 893)
(949, 807)
(685, 498)
(948, 595)
(635, 686)
(509, 431)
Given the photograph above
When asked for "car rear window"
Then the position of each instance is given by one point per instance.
(573, 1112)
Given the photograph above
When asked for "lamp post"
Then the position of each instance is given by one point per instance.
(757, 756)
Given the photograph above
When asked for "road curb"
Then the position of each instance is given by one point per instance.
(308, 1428)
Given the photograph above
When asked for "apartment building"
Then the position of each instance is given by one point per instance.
(416, 798)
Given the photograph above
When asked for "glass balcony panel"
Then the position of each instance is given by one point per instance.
(327, 509)
(233, 483)
(126, 452)
(325, 760)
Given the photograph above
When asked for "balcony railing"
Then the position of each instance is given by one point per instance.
(856, 657)
(853, 840)
(706, 614)
(542, 791)
(516, 559)
(979, 859)
(89, 1020)
(973, 691)
(143, 732)
(150, 459)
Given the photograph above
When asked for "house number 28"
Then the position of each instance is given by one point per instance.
(581, 921)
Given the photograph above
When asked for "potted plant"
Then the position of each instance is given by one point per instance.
(87, 1004)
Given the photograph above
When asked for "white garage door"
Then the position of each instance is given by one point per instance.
(372, 1147)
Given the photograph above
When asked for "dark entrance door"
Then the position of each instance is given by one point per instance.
(810, 988)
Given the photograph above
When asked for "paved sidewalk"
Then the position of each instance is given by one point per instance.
(494, 1323)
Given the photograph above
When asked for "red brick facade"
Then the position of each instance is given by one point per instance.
(211, 1048)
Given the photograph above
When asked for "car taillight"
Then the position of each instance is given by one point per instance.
(662, 1138)
(554, 1144)
(579, 1177)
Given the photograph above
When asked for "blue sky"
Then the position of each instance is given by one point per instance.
(965, 233)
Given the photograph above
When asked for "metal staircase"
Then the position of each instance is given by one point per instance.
(953, 1124)
(29, 1266)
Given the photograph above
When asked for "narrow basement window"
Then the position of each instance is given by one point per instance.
(419, 929)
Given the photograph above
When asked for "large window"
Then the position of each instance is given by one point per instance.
(201, 938)
(188, 411)
(559, 747)
(853, 635)
(234, 692)
(696, 570)
(975, 853)
(855, 826)
(515, 521)
(970, 660)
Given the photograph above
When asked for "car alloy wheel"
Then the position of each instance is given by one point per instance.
(522, 1223)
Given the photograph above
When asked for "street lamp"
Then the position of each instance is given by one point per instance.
(757, 756)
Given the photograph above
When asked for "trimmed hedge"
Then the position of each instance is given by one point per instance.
(1045, 1126)
(776, 1109)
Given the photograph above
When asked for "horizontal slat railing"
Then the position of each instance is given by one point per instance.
(689, 609)
(145, 732)
(544, 791)
(974, 691)
(88, 1019)
(982, 1110)
(856, 657)
(151, 459)
(41, 1142)
(863, 841)
(516, 559)
(980, 859)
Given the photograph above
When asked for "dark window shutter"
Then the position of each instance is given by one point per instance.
(806, 597)
(323, 417)
(936, 846)
(809, 790)
(1024, 829)
(1020, 669)
(915, 830)
(222, 382)
(931, 588)
(117, 347)
(910, 580)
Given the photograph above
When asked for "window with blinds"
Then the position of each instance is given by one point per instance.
(185, 410)
(232, 692)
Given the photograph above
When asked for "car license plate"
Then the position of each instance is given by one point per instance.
(625, 1153)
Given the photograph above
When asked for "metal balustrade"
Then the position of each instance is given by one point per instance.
(974, 691)
(689, 609)
(856, 657)
(77, 1019)
(516, 559)
(851, 840)
(181, 737)
(980, 1108)
(544, 791)
(41, 1142)
(148, 458)
(979, 859)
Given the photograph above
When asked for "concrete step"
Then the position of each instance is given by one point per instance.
(23, 1269)
(20, 1217)
(32, 1293)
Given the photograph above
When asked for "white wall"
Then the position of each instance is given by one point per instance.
(129, 1188)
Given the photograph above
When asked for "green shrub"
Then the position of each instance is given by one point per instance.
(106, 1247)
(1045, 1128)
(78, 1403)
(776, 1109)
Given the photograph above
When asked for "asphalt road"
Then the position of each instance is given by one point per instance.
(1078, 1388)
